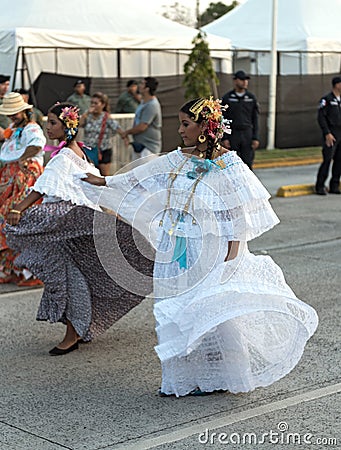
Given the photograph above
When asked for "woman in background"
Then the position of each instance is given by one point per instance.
(99, 128)
(22, 158)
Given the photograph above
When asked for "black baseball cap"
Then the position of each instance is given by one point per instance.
(21, 91)
(4, 78)
(336, 80)
(79, 82)
(240, 75)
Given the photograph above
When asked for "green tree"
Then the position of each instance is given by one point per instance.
(214, 11)
(200, 78)
(180, 14)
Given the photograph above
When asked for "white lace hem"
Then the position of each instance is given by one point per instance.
(235, 335)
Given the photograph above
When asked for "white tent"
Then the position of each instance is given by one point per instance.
(308, 35)
(96, 39)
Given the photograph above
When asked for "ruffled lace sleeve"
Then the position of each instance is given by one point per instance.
(58, 180)
(137, 196)
(240, 201)
(229, 201)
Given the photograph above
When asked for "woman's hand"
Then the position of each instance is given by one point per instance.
(84, 117)
(94, 179)
(14, 214)
(233, 248)
(13, 217)
(124, 136)
(23, 163)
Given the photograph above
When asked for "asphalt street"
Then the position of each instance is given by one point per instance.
(104, 396)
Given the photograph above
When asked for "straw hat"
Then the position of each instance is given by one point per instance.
(13, 103)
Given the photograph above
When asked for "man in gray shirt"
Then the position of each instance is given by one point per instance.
(146, 130)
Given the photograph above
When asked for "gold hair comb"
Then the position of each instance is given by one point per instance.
(197, 108)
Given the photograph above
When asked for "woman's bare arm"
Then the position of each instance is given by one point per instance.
(232, 252)
(31, 150)
(14, 214)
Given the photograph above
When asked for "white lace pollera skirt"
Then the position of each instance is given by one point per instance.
(235, 326)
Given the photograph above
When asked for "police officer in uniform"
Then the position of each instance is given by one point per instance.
(329, 119)
(243, 112)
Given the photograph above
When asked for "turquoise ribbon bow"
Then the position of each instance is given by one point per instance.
(200, 166)
(180, 250)
(18, 133)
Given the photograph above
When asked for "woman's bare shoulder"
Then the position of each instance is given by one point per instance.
(223, 152)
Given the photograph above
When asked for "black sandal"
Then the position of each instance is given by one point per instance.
(196, 392)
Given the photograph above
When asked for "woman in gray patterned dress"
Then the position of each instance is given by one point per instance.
(74, 248)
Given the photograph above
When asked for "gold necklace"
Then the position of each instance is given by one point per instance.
(173, 176)
(201, 154)
(216, 151)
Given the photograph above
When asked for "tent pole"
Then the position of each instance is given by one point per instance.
(273, 80)
(22, 67)
(31, 87)
(14, 79)
(118, 59)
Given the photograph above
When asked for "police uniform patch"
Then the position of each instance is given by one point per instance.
(323, 103)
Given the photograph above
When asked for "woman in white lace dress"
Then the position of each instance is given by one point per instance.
(57, 242)
(225, 318)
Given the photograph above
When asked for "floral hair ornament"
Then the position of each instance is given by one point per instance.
(211, 111)
(70, 117)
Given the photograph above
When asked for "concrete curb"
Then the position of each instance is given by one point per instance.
(295, 190)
